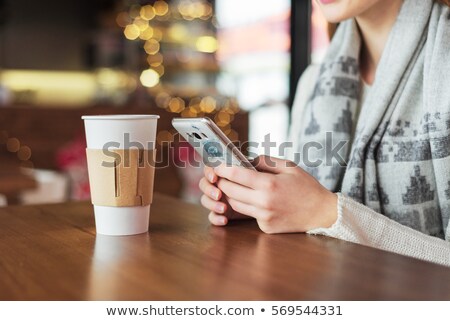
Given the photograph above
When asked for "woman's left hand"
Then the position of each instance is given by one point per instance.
(281, 196)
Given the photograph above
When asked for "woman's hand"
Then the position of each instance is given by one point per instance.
(281, 196)
(214, 200)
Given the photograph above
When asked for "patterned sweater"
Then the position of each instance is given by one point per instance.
(360, 224)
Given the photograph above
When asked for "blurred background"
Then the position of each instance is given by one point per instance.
(235, 61)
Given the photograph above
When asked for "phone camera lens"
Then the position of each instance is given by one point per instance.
(213, 149)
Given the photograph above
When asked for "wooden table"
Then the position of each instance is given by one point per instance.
(51, 252)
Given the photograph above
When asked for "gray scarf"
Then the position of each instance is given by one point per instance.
(399, 161)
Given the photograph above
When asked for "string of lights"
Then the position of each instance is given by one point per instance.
(160, 23)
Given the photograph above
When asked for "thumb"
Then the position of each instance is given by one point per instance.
(264, 163)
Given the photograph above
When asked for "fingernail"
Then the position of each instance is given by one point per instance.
(219, 208)
(211, 177)
(215, 194)
(223, 220)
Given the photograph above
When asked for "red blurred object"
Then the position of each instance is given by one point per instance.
(190, 168)
(71, 159)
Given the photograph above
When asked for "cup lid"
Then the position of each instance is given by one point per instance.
(118, 117)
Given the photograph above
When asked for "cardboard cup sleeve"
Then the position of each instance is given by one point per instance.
(121, 177)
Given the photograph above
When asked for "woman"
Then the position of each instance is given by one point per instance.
(382, 96)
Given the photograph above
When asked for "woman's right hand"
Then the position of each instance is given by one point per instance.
(214, 200)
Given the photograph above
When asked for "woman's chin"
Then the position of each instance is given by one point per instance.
(339, 10)
(334, 16)
(334, 11)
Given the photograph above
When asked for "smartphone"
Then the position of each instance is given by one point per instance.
(210, 142)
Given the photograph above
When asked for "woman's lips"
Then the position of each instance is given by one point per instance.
(326, 1)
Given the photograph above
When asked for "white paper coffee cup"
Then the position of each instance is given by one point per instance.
(121, 132)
